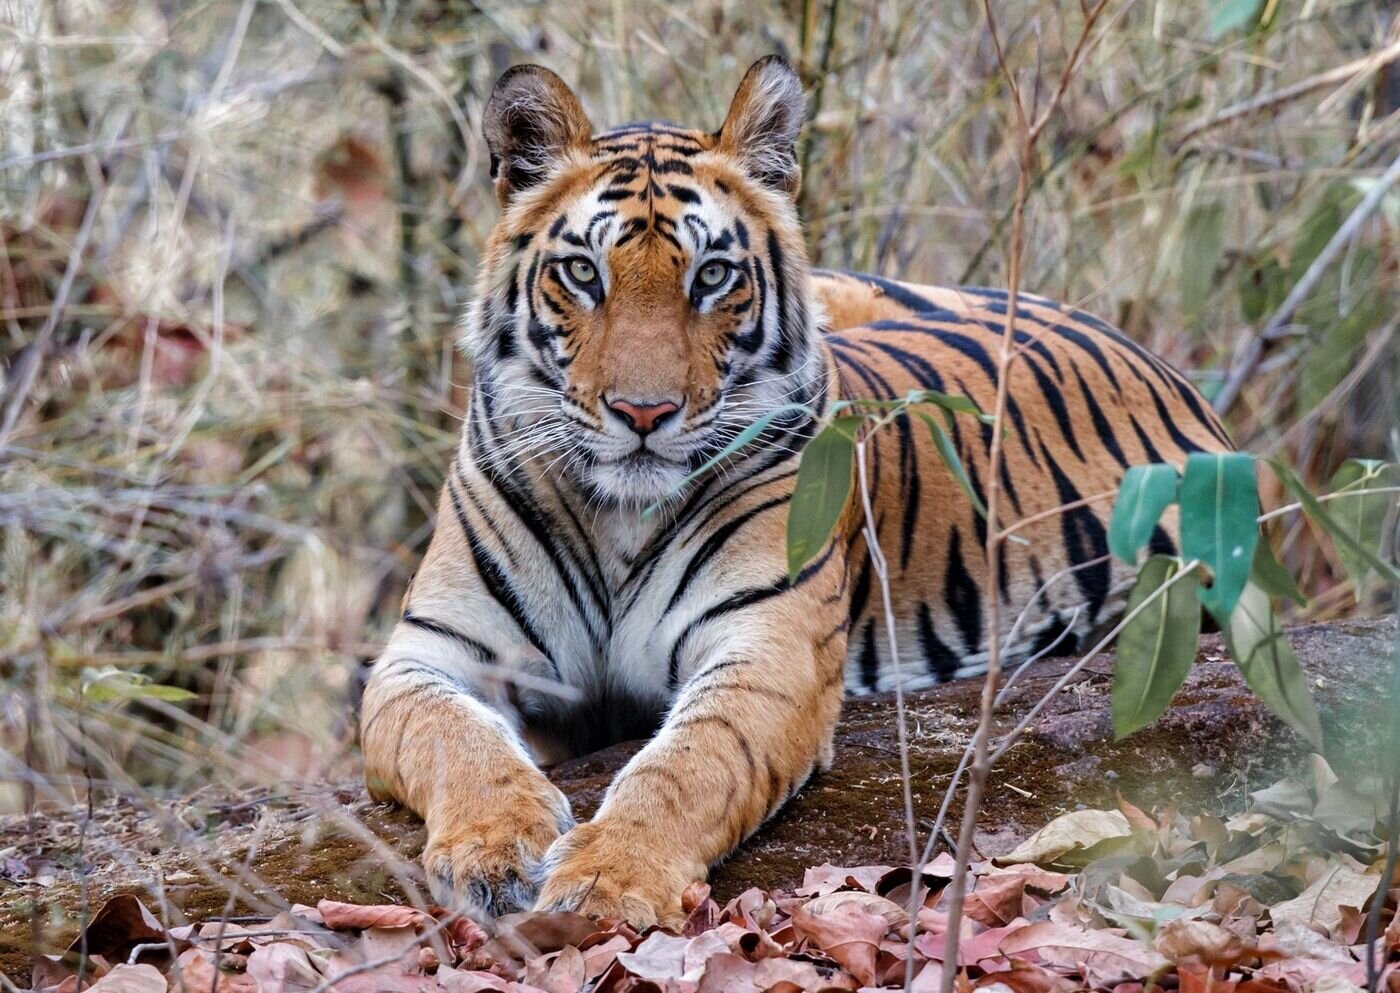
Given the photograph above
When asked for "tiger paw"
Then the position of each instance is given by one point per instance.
(600, 871)
(492, 865)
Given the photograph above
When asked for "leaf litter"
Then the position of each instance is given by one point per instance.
(1273, 900)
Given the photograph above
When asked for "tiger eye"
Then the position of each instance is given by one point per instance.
(713, 274)
(582, 270)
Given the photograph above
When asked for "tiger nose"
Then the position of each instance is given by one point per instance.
(643, 418)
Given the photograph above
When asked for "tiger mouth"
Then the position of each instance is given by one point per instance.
(645, 458)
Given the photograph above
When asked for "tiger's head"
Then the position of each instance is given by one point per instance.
(644, 295)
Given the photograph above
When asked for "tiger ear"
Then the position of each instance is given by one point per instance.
(532, 119)
(763, 123)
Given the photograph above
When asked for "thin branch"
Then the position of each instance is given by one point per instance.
(882, 572)
(981, 763)
(1253, 351)
(1063, 508)
(1347, 73)
(22, 381)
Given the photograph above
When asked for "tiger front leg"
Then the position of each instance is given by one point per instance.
(440, 751)
(745, 733)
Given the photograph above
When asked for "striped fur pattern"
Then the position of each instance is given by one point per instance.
(661, 270)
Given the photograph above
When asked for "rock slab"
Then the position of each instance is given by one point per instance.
(254, 854)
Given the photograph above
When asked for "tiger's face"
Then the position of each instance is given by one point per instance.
(644, 296)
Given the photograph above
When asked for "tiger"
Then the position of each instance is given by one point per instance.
(604, 567)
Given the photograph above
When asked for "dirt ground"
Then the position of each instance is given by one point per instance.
(220, 852)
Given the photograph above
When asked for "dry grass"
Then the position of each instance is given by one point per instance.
(236, 236)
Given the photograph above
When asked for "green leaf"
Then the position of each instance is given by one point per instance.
(1202, 242)
(950, 458)
(1220, 523)
(1323, 519)
(743, 438)
(1271, 577)
(1339, 314)
(1227, 15)
(951, 404)
(1266, 660)
(1263, 287)
(1332, 208)
(1156, 648)
(823, 487)
(1363, 516)
(115, 684)
(1145, 492)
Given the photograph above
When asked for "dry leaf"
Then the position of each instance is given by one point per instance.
(1080, 829)
(847, 932)
(1184, 939)
(1321, 903)
(1101, 957)
(895, 916)
(996, 900)
(198, 974)
(729, 973)
(828, 878)
(350, 916)
(283, 966)
(131, 979)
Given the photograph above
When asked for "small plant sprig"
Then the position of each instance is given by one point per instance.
(825, 475)
(1235, 575)
(1224, 564)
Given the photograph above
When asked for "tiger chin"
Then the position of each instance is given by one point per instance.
(646, 296)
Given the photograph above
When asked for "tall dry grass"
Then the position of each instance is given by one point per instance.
(237, 233)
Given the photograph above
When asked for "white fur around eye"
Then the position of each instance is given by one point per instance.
(572, 272)
(704, 294)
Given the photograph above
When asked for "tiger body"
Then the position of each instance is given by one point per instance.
(644, 298)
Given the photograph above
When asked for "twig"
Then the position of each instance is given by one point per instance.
(1288, 509)
(881, 567)
(1012, 736)
(1063, 508)
(1345, 73)
(882, 572)
(980, 766)
(22, 379)
(1253, 351)
(1378, 347)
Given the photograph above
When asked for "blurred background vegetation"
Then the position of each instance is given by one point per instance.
(235, 236)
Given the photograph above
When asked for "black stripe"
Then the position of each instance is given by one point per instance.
(452, 634)
(1164, 416)
(787, 331)
(735, 601)
(899, 294)
(1084, 540)
(961, 595)
(1149, 449)
(1101, 426)
(497, 584)
(481, 512)
(868, 659)
(942, 661)
(1055, 400)
(714, 543)
(546, 532)
(970, 348)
